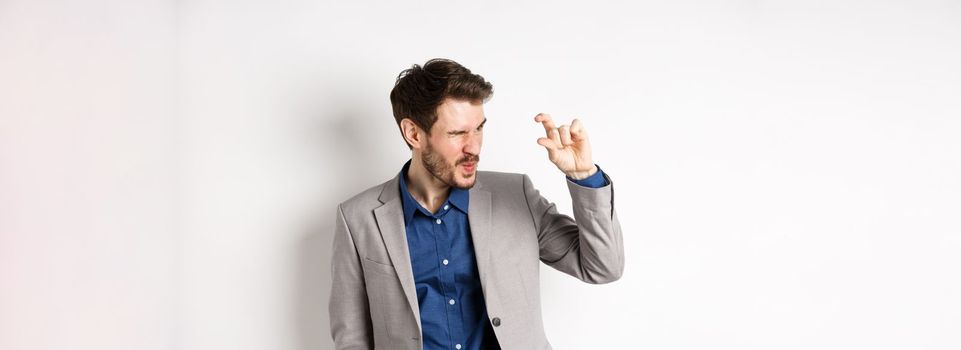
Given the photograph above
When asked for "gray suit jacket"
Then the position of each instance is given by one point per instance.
(373, 304)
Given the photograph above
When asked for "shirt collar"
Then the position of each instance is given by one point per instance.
(459, 198)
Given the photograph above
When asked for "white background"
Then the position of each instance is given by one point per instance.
(787, 173)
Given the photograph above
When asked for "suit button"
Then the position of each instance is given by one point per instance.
(496, 321)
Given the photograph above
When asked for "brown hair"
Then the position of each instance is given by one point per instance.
(419, 90)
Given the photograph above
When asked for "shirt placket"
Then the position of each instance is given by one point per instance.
(442, 233)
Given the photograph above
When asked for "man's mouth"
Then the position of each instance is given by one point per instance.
(469, 166)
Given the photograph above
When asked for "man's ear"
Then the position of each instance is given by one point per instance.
(413, 134)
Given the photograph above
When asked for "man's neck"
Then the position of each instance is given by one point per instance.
(426, 189)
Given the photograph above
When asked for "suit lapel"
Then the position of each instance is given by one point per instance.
(479, 215)
(390, 221)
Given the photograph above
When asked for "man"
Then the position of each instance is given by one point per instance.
(444, 256)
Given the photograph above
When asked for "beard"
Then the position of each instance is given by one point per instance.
(446, 172)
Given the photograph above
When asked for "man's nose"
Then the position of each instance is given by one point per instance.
(473, 144)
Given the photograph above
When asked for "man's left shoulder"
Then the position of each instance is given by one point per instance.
(500, 181)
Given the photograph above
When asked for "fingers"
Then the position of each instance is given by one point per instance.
(552, 141)
(578, 132)
(547, 143)
(548, 123)
(565, 132)
(560, 137)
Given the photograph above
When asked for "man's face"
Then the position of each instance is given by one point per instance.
(453, 147)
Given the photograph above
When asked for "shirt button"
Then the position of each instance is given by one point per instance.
(438, 221)
(445, 262)
(445, 208)
(452, 302)
(457, 346)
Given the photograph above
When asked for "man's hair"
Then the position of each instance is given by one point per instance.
(418, 91)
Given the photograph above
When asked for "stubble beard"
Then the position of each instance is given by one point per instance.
(445, 172)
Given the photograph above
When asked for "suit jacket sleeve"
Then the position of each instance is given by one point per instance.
(588, 246)
(350, 324)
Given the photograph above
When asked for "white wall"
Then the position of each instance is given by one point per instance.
(788, 174)
(88, 158)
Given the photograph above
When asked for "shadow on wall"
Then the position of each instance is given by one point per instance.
(348, 156)
(313, 288)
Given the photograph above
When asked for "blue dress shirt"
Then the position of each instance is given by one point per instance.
(453, 314)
